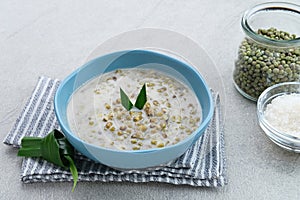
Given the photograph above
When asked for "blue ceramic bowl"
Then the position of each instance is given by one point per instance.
(129, 59)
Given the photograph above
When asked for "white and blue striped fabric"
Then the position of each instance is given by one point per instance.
(202, 165)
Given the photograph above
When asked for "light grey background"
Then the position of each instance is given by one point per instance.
(53, 38)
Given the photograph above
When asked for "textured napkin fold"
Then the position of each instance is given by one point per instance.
(202, 165)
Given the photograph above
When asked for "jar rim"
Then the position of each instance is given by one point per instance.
(282, 6)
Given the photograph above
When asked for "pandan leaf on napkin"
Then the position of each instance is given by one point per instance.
(54, 148)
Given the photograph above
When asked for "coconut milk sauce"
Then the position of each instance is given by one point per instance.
(171, 113)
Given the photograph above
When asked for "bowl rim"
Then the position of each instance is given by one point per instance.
(261, 103)
(191, 137)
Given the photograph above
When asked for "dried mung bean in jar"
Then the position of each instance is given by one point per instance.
(259, 67)
(270, 52)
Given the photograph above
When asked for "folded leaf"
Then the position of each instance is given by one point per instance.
(125, 100)
(54, 148)
(141, 98)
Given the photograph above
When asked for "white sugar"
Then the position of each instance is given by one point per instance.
(283, 113)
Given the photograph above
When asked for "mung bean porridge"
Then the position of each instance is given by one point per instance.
(172, 111)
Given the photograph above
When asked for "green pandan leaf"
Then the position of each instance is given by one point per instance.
(54, 148)
(125, 100)
(74, 171)
(141, 99)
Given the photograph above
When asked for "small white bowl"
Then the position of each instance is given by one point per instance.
(283, 139)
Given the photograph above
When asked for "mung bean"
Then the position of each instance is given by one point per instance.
(259, 66)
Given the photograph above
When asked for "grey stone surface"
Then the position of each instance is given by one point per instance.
(54, 37)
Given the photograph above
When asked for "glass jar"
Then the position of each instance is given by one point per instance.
(270, 52)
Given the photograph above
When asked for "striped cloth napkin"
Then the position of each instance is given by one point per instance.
(202, 165)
